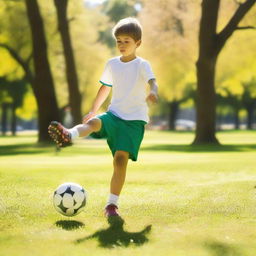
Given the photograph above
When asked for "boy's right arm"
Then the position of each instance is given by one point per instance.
(100, 98)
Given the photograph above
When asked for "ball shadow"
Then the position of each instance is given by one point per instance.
(116, 236)
(69, 224)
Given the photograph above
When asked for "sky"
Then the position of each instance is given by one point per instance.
(94, 2)
(97, 2)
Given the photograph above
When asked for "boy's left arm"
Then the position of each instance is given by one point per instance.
(153, 95)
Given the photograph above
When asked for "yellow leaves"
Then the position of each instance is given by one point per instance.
(7, 64)
(29, 108)
(246, 75)
(237, 63)
(233, 85)
(3, 37)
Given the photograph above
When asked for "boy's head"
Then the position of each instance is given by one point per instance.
(127, 33)
(128, 26)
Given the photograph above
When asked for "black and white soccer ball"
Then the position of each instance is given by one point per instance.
(69, 199)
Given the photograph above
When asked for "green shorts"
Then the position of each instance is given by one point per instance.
(121, 134)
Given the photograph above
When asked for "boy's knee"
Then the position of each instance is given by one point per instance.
(95, 124)
(121, 157)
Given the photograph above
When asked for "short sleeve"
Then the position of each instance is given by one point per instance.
(106, 78)
(147, 71)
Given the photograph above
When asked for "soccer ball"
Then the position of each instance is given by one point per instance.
(69, 199)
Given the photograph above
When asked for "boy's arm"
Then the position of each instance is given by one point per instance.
(102, 95)
(153, 95)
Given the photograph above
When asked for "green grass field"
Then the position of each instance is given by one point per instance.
(199, 201)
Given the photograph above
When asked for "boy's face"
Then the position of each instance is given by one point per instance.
(127, 45)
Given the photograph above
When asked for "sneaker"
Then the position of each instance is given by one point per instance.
(59, 134)
(111, 210)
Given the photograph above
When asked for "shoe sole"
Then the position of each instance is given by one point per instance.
(56, 133)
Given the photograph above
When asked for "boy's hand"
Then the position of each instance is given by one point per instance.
(89, 116)
(152, 97)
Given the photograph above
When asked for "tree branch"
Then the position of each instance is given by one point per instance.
(245, 27)
(232, 25)
(23, 63)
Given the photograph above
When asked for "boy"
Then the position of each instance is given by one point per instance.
(123, 123)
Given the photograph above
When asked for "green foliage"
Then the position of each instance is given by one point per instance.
(15, 33)
(117, 10)
(14, 91)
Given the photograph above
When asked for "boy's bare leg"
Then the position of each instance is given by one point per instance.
(93, 125)
(120, 164)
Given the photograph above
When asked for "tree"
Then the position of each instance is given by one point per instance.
(226, 98)
(15, 91)
(71, 73)
(210, 45)
(249, 100)
(42, 83)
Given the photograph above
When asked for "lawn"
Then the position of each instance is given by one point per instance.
(178, 200)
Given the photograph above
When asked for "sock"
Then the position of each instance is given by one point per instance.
(113, 199)
(74, 133)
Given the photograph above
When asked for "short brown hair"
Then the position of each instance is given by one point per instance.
(128, 26)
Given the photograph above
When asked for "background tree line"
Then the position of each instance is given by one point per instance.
(59, 48)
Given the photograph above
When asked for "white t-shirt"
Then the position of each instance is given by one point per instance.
(128, 81)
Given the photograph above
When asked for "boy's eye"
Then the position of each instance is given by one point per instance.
(119, 42)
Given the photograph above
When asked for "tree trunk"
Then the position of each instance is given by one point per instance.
(174, 108)
(206, 102)
(4, 118)
(237, 122)
(71, 74)
(43, 86)
(206, 98)
(250, 111)
(13, 120)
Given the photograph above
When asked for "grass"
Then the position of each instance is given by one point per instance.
(178, 200)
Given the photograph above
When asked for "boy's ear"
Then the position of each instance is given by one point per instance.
(138, 43)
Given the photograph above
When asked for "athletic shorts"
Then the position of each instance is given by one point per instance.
(121, 134)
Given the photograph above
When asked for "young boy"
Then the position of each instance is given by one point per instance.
(123, 123)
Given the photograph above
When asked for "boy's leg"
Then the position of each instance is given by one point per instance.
(83, 130)
(120, 164)
(63, 136)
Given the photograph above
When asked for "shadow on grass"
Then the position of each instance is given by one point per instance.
(69, 224)
(23, 149)
(201, 148)
(221, 249)
(35, 148)
(116, 236)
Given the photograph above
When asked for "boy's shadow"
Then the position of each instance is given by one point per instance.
(115, 235)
